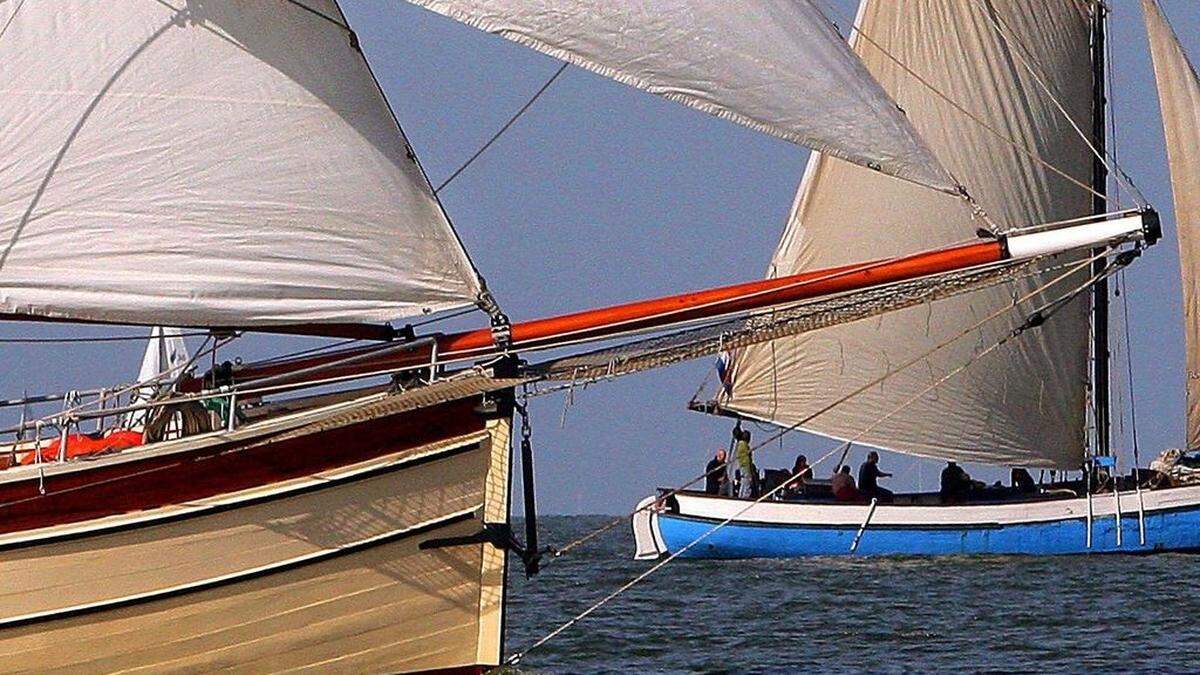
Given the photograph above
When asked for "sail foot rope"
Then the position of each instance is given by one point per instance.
(1033, 320)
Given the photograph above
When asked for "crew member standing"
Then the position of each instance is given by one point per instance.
(868, 479)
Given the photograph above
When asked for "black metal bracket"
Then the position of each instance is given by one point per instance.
(499, 535)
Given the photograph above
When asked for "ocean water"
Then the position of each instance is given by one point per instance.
(972, 614)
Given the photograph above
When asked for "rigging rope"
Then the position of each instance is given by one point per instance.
(1070, 271)
(1129, 368)
(1005, 31)
(1035, 319)
(1030, 154)
(496, 136)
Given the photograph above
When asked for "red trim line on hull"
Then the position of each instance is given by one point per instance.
(154, 481)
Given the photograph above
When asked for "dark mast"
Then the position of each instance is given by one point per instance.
(1100, 352)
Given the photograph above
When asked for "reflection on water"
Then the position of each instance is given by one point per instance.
(1062, 614)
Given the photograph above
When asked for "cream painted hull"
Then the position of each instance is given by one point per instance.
(319, 573)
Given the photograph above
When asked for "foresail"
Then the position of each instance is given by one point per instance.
(163, 361)
(216, 163)
(1179, 98)
(1023, 404)
(778, 67)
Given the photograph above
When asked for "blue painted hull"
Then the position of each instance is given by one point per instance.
(1168, 530)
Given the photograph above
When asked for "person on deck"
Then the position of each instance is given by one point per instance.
(842, 484)
(748, 488)
(801, 472)
(716, 478)
(1022, 482)
(956, 484)
(868, 479)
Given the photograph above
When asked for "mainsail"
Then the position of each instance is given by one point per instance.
(1025, 403)
(778, 67)
(216, 163)
(1179, 98)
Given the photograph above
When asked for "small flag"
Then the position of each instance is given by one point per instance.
(725, 372)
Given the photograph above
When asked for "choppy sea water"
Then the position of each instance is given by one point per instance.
(972, 614)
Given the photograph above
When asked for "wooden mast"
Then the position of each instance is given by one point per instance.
(1100, 350)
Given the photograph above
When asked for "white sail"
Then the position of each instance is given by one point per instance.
(1024, 404)
(778, 67)
(165, 358)
(1179, 98)
(209, 163)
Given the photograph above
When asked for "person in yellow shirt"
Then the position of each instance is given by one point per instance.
(748, 487)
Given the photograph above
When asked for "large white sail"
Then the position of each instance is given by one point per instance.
(1179, 98)
(209, 163)
(1024, 404)
(779, 67)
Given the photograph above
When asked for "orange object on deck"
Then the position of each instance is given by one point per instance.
(82, 445)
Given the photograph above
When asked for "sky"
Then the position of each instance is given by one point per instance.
(602, 194)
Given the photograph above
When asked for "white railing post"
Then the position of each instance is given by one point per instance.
(65, 424)
(232, 421)
(37, 442)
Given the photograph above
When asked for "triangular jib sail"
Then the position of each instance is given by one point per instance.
(216, 163)
(1179, 98)
(1025, 404)
(779, 67)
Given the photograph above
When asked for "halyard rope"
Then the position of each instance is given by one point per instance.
(1049, 308)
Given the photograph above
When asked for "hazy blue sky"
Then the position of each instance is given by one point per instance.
(602, 194)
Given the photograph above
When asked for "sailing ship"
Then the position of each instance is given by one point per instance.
(234, 167)
(1036, 70)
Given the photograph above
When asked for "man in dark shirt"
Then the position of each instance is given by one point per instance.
(715, 474)
(868, 479)
(956, 484)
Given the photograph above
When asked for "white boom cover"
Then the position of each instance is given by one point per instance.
(778, 67)
(1179, 98)
(1024, 404)
(208, 163)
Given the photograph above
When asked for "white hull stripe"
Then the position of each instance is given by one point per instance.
(244, 575)
(834, 515)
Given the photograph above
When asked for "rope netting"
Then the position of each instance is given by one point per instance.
(810, 315)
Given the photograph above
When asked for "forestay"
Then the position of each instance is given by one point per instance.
(1024, 403)
(778, 67)
(1179, 98)
(209, 163)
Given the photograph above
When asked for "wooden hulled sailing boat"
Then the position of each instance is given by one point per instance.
(901, 383)
(233, 166)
